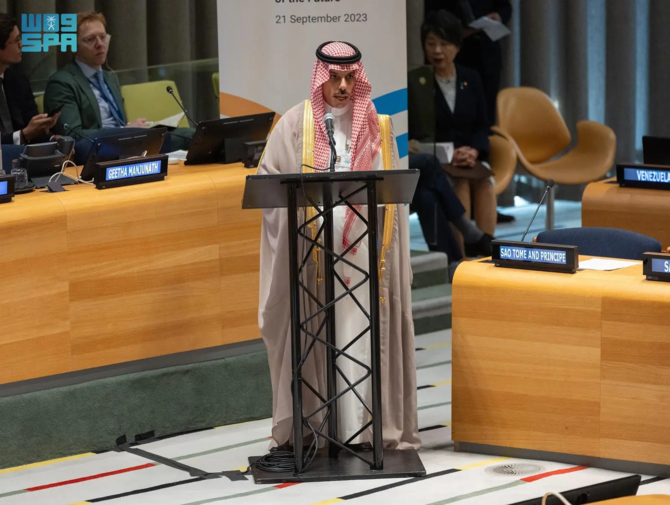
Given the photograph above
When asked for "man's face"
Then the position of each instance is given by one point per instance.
(92, 43)
(13, 51)
(337, 90)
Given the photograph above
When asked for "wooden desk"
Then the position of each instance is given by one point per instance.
(92, 278)
(575, 364)
(645, 211)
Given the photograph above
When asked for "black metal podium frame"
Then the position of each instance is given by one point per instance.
(324, 192)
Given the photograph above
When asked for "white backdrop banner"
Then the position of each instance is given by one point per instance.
(267, 50)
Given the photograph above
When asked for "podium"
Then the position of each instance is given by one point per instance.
(323, 192)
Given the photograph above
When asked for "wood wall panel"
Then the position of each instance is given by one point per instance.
(641, 210)
(576, 364)
(239, 256)
(34, 318)
(123, 274)
(635, 422)
(526, 359)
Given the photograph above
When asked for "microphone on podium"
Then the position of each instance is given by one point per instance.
(171, 91)
(550, 184)
(328, 120)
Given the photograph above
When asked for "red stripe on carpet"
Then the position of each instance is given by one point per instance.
(555, 472)
(90, 477)
(286, 484)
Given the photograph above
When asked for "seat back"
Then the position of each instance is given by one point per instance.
(150, 100)
(530, 117)
(39, 100)
(215, 83)
(503, 159)
(606, 242)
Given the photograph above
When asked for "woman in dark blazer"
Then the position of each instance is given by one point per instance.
(447, 104)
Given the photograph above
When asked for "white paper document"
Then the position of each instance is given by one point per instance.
(494, 29)
(175, 156)
(604, 265)
(170, 122)
(443, 150)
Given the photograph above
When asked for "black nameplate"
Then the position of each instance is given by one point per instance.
(6, 188)
(113, 174)
(643, 176)
(656, 266)
(532, 256)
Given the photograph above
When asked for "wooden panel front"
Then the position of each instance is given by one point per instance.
(95, 278)
(645, 211)
(144, 271)
(239, 259)
(635, 417)
(526, 358)
(34, 316)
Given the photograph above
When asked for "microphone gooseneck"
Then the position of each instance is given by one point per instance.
(550, 184)
(171, 91)
(70, 130)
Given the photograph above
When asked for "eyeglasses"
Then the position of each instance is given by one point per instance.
(104, 39)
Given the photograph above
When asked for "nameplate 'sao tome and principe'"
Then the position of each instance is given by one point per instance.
(532, 256)
(643, 176)
(113, 174)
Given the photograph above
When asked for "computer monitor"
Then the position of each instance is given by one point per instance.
(656, 150)
(122, 146)
(223, 140)
(618, 488)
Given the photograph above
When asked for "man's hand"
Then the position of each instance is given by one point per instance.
(495, 17)
(39, 125)
(140, 122)
(413, 146)
(464, 157)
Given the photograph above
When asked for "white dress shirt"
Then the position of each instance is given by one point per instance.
(108, 120)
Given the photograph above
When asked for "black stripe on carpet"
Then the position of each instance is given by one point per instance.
(145, 490)
(431, 428)
(398, 484)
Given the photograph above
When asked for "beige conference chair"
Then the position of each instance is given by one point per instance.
(503, 160)
(529, 121)
(150, 100)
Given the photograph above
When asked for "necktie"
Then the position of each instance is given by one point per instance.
(5, 116)
(109, 98)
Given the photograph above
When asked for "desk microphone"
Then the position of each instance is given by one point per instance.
(171, 91)
(328, 120)
(550, 184)
(70, 130)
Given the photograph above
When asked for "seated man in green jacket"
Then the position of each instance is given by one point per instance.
(91, 97)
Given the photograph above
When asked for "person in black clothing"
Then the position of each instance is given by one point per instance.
(438, 208)
(20, 121)
(447, 104)
(479, 52)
